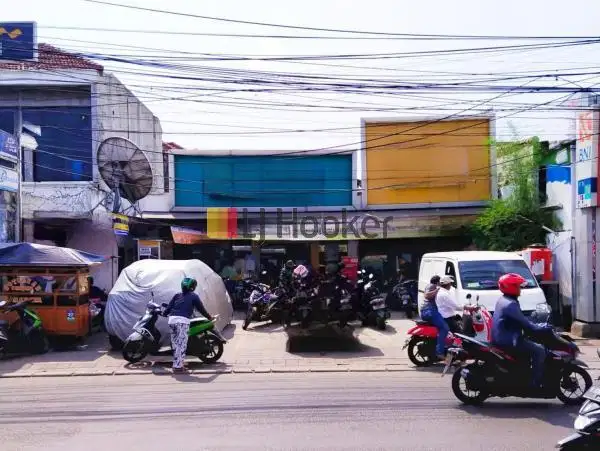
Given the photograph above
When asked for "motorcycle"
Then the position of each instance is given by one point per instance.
(587, 425)
(263, 305)
(373, 308)
(476, 322)
(205, 342)
(491, 371)
(25, 336)
(406, 293)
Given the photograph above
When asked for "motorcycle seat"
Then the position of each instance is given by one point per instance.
(198, 321)
(421, 322)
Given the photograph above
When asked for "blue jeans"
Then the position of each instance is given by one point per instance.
(538, 356)
(433, 316)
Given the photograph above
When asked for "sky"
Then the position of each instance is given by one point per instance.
(209, 115)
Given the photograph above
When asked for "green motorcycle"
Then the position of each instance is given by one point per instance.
(205, 341)
(25, 336)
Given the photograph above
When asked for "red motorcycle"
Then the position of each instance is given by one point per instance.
(476, 322)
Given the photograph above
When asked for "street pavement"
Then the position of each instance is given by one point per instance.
(263, 348)
(413, 410)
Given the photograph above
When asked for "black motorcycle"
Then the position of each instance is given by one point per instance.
(587, 425)
(372, 308)
(264, 305)
(25, 336)
(205, 341)
(406, 294)
(491, 371)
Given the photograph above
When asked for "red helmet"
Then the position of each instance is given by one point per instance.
(511, 283)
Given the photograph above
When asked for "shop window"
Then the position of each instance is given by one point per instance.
(63, 136)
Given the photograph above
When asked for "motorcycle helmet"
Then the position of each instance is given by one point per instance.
(300, 272)
(510, 284)
(290, 264)
(188, 284)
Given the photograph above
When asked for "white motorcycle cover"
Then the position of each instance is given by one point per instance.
(133, 290)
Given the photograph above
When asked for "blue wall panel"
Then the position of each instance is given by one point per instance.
(263, 181)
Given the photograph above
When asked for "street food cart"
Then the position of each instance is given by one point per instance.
(54, 281)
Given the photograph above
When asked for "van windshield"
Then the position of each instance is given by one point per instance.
(484, 275)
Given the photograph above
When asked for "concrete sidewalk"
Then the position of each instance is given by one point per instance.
(261, 349)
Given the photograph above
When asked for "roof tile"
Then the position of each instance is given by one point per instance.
(50, 57)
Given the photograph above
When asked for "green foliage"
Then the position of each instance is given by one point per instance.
(517, 221)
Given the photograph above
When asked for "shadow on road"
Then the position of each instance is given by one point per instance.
(328, 339)
(549, 412)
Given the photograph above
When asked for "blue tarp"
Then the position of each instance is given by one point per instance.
(30, 254)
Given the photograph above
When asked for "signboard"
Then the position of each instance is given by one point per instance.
(18, 41)
(120, 224)
(9, 180)
(8, 146)
(586, 152)
(148, 249)
(184, 235)
(23, 285)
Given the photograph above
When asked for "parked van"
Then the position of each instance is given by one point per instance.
(477, 273)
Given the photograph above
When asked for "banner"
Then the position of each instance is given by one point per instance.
(9, 180)
(586, 153)
(184, 235)
(8, 146)
(120, 224)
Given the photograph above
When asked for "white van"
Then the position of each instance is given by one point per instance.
(477, 273)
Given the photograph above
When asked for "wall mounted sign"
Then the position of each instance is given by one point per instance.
(9, 180)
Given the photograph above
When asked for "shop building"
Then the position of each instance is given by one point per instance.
(61, 107)
(431, 177)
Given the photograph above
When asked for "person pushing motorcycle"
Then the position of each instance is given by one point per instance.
(180, 310)
(509, 322)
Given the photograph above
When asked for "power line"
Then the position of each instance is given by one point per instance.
(332, 30)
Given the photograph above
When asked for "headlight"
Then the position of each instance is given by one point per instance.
(581, 422)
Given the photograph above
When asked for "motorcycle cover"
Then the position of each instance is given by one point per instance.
(133, 290)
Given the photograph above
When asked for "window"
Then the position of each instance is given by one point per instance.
(64, 143)
(451, 271)
(542, 179)
(166, 173)
(7, 120)
(484, 275)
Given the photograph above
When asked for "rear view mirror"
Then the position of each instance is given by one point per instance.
(469, 296)
(264, 272)
(370, 276)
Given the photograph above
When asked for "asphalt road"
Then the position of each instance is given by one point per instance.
(343, 411)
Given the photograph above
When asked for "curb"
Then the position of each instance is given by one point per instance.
(166, 372)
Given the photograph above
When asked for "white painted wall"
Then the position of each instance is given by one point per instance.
(560, 194)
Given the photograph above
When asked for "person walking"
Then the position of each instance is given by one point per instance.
(180, 310)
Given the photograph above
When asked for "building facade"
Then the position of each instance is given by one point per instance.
(61, 107)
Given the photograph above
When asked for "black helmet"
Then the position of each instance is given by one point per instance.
(290, 264)
(188, 284)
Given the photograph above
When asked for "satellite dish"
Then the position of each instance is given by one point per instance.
(125, 169)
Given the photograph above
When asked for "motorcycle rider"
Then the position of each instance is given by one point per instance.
(430, 313)
(180, 310)
(447, 304)
(509, 322)
(286, 276)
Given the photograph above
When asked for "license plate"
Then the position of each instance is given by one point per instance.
(449, 360)
(345, 307)
(593, 394)
(379, 307)
(406, 344)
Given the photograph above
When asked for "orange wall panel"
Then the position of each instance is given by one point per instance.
(423, 162)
